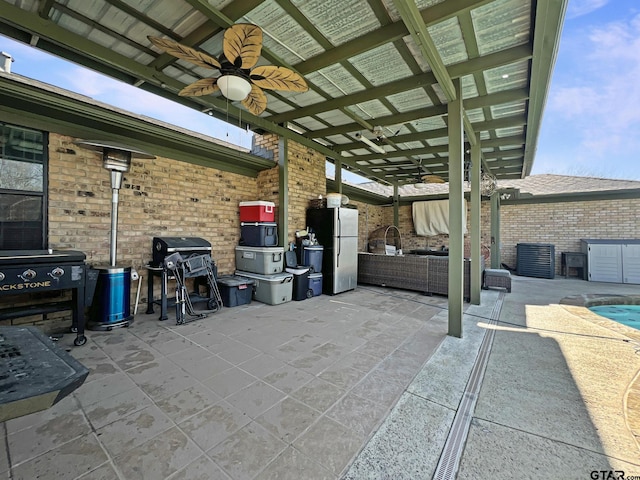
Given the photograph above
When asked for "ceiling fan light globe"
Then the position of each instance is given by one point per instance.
(421, 185)
(233, 87)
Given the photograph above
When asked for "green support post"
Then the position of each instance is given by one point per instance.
(456, 214)
(476, 251)
(283, 195)
(495, 230)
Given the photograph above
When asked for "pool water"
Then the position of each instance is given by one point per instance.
(628, 315)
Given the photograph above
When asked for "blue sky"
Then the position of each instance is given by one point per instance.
(590, 127)
(591, 124)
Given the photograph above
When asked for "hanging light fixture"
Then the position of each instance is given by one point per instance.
(375, 146)
(234, 87)
(488, 184)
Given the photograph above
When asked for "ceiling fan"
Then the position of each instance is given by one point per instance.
(239, 78)
(426, 178)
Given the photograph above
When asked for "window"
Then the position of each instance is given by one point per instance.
(22, 188)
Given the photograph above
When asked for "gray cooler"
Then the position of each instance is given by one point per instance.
(262, 260)
(271, 289)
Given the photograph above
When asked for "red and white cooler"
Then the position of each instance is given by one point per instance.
(258, 211)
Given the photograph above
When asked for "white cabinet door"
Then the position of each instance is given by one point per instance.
(631, 263)
(605, 263)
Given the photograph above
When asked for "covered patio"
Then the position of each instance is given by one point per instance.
(399, 92)
(363, 385)
(371, 383)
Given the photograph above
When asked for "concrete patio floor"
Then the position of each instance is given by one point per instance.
(364, 384)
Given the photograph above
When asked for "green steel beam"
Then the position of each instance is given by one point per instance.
(386, 34)
(44, 9)
(388, 120)
(391, 88)
(426, 79)
(416, 27)
(549, 18)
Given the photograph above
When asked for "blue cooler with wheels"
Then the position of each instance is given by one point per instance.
(312, 257)
(315, 283)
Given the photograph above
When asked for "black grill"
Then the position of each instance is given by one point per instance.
(27, 271)
(185, 246)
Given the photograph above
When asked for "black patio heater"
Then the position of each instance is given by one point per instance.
(111, 306)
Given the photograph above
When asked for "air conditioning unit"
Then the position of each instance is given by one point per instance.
(536, 260)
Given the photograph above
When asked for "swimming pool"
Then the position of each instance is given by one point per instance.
(628, 315)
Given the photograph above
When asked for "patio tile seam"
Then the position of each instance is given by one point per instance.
(430, 400)
(299, 452)
(97, 467)
(45, 452)
(555, 440)
(109, 459)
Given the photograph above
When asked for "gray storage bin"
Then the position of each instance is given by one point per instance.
(271, 289)
(262, 260)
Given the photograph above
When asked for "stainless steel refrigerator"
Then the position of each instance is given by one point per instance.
(337, 231)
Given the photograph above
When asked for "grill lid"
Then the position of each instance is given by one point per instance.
(179, 244)
(164, 246)
(29, 257)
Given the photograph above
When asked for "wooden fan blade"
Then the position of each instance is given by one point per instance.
(256, 101)
(199, 88)
(185, 53)
(242, 44)
(432, 179)
(278, 78)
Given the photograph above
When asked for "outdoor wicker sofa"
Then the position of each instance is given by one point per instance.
(423, 273)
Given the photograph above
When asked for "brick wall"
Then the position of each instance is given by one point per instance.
(159, 197)
(383, 216)
(564, 224)
(370, 217)
(307, 180)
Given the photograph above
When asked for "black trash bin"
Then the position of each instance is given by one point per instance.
(301, 290)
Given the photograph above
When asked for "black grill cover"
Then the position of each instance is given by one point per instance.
(163, 246)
